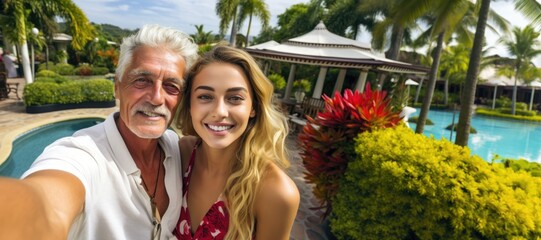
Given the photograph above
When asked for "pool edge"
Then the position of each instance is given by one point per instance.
(7, 140)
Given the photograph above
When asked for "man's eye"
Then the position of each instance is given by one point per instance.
(171, 89)
(142, 83)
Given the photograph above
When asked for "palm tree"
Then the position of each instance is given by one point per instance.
(201, 37)
(23, 12)
(446, 16)
(523, 46)
(227, 11)
(532, 10)
(249, 8)
(454, 63)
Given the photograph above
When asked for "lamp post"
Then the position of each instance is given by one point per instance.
(93, 49)
(35, 32)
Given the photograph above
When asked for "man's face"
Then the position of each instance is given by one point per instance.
(149, 91)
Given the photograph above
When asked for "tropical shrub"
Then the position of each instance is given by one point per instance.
(100, 70)
(415, 118)
(403, 185)
(518, 165)
(83, 70)
(302, 85)
(50, 76)
(277, 81)
(64, 69)
(46, 66)
(98, 90)
(326, 140)
(497, 113)
(93, 90)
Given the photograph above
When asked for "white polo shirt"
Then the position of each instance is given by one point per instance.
(116, 204)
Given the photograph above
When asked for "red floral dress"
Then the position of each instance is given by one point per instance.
(213, 225)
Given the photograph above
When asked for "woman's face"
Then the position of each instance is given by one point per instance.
(221, 104)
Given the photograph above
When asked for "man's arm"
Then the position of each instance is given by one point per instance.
(41, 206)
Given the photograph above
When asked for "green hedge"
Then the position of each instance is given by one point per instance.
(498, 113)
(93, 90)
(404, 185)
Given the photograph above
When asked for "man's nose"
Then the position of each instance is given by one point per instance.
(157, 94)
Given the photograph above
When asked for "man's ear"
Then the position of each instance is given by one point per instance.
(117, 88)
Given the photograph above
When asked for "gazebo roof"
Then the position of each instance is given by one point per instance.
(62, 37)
(489, 77)
(323, 48)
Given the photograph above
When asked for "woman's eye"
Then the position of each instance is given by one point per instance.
(204, 97)
(236, 99)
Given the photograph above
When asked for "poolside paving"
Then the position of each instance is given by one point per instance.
(15, 121)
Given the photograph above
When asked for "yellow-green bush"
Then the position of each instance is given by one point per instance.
(93, 90)
(404, 185)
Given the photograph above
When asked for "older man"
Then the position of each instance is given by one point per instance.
(119, 179)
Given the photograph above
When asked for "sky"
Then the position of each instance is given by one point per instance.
(185, 14)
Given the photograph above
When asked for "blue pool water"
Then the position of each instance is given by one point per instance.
(29, 146)
(506, 138)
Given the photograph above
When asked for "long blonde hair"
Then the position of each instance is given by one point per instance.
(262, 142)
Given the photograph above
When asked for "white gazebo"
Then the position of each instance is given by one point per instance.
(325, 49)
(61, 41)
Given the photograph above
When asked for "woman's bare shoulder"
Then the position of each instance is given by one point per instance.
(277, 188)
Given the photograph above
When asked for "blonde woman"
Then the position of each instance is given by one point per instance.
(233, 153)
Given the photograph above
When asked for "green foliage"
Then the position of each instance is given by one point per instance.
(403, 185)
(503, 102)
(303, 85)
(454, 126)
(277, 81)
(98, 90)
(83, 70)
(507, 114)
(519, 112)
(93, 90)
(204, 48)
(326, 140)
(47, 73)
(64, 69)
(100, 70)
(414, 120)
(40, 93)
(533, 168)
(46, 66)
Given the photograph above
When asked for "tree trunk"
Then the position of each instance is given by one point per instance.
(233, 38)
(248, 31)
(446, 91)
(432, 78)
(396, 41)
(468, 96)
(514, 98)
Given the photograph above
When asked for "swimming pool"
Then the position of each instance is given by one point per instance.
(29, 145)
(504, 137)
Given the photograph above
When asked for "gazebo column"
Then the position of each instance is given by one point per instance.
(266, 68)
(318, 90)
(361, 82)
(290, 80)
(339, 81)
(494, 96)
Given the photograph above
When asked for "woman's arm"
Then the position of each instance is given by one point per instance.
(276, 205)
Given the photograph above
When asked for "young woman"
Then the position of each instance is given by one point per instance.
(233, 153)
